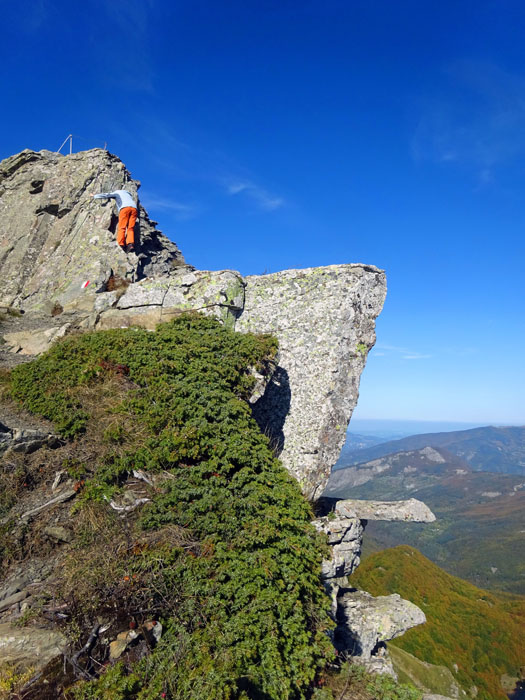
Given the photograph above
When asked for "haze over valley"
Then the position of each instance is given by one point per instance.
(479, 533)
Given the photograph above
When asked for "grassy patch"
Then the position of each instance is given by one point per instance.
(354, 682)
(437, 680)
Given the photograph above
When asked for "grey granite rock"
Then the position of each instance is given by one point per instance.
(54, 237)
(36, 341)
(367, 622)
(219, 294)
(344, 535)
(13, 599)
(28, 647)
(411, 510)
(24, 440)
(324, 319)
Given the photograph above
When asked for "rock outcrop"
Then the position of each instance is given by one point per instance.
(54, 237)
(345, 524)
(324, 319)
(366, 623)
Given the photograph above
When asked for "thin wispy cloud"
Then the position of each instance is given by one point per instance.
(382, 350)
(210, 167)
(260, 196)
(182, 210)
(478, 122)
(404, 353)
(415, 356)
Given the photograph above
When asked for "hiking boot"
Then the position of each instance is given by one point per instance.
(130, 248)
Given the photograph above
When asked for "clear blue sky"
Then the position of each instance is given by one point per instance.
(270, 135)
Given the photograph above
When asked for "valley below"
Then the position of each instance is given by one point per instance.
(479, 534)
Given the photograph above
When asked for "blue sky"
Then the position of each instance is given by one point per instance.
(270, 135)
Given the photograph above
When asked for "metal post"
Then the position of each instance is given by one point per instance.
(69, 138)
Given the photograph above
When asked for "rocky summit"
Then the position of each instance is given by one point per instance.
(61, 266)
(146, 517)
(54, 238)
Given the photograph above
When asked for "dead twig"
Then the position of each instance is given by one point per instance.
(86, 649)
(64, 496)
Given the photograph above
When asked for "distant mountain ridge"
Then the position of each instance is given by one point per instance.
(478, 534)
(494, 449)
(405, 471)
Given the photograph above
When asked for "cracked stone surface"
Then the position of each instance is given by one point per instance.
(411, 510)
(54, 237)
(324, 319)
(368, 621)
(345, 536)
(153, 301)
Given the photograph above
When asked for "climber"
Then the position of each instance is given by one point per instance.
(126, 219)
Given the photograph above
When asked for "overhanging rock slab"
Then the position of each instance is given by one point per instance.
(394, 511)
(369, 621)
(324, 319)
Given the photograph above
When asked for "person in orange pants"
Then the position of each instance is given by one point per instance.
(127, 217)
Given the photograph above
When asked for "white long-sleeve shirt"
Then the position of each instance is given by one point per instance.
(122, 197)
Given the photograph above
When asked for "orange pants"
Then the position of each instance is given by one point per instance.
(126, 220)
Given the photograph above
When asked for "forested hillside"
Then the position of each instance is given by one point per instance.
(480, 634)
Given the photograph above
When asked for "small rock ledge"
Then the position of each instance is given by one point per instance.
(365, 623)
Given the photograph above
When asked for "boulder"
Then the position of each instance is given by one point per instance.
(324, 319)
(36, 341)
(28, 647)
(366, 623)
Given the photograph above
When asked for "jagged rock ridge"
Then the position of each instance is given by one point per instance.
(54, 237)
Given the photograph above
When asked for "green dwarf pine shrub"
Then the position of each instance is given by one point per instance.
(243, 611)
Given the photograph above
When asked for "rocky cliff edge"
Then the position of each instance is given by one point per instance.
(61, 266)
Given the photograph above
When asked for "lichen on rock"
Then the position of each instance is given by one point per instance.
(323, 317)
(54, 237)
